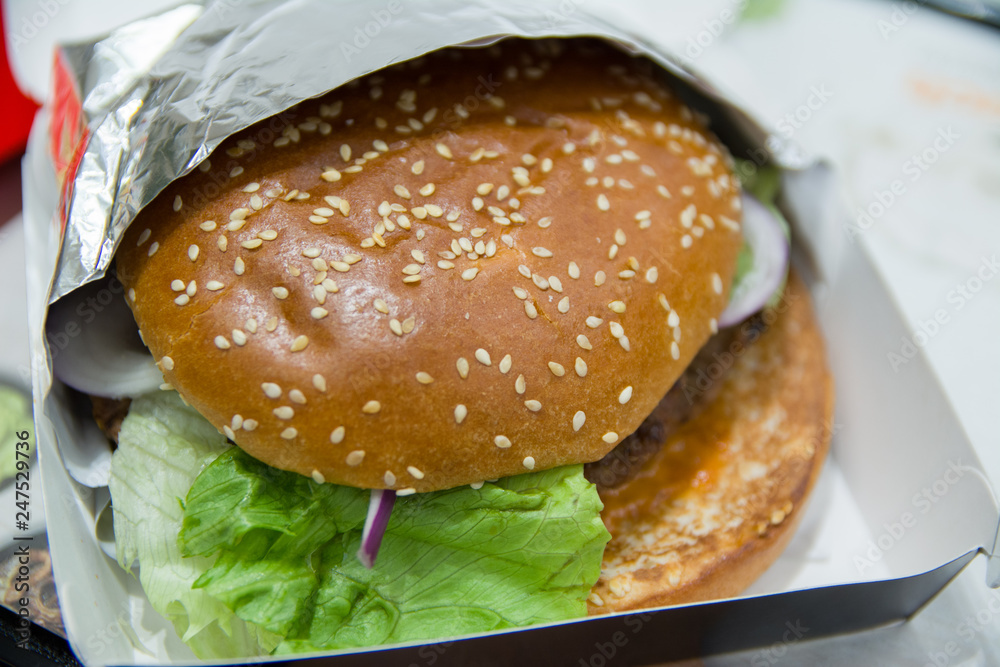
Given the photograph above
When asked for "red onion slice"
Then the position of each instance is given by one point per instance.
(379, 510)
(763, 232)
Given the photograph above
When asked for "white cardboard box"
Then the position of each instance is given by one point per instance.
(902, 506)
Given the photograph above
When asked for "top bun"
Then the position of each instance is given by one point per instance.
(463, 267)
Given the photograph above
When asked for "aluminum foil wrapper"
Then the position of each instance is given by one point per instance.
(155, 103)
(151, 101)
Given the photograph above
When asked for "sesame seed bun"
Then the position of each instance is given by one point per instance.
(721, 498)
(457, 269)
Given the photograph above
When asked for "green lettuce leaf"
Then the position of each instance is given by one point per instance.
(15, 417)
(162, 447)
(524, 550)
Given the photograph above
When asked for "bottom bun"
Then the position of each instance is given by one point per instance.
(716, 505)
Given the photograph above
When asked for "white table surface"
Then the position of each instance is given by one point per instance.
(886, 80)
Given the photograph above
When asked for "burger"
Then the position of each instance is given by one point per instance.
(489, 338)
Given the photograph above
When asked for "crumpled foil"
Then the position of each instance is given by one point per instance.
(157, 105)
(149, 103)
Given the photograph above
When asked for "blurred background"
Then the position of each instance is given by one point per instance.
(902, 98)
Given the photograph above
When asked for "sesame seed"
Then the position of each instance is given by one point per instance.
(519, 384)
(371, 407)
(193, 252)
(396, 327)
(229, 432)
(623, 341)
(214, 285)
(239, 266)
(337, 436)
(613, 251)
(540, 282)
(557, 369)
(717, 283)
(602, 202)
(594, 322)
(652, 274)
(297, 396)
(626, 395)
(389, 478)
(299, 344)
(578, 420)
(529, 462)
(574, 271)
(675, 350)
(415, 472)
(519, 292)
(330, 175)
(584, 342)
(610, 437)
(617, 330)
(411, 269)
(424, 378)
(460, 413)
(408, 324)
(619, 237)
(271, 390)
(355, 458)
(463, 367)
(581, 367)
(469, 274)
(599, 278)
(533, 405)
(167, 363)
(249, 424)
(279, 292)
(443, 151)
(284, 412)
(221, 343)
(713, 325)
(192, 288)
(673, 319)
(146, 234)
(271, 324)
(545, 222)
(178, 204)
(251, 244)
(663, 302)
(401, 191)
(182, 300)
(418, 167)
(617, 307)
(502, 441)
(177, 285)
(530, 310)
(239, 337)
(290, 433)
(483, 357)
